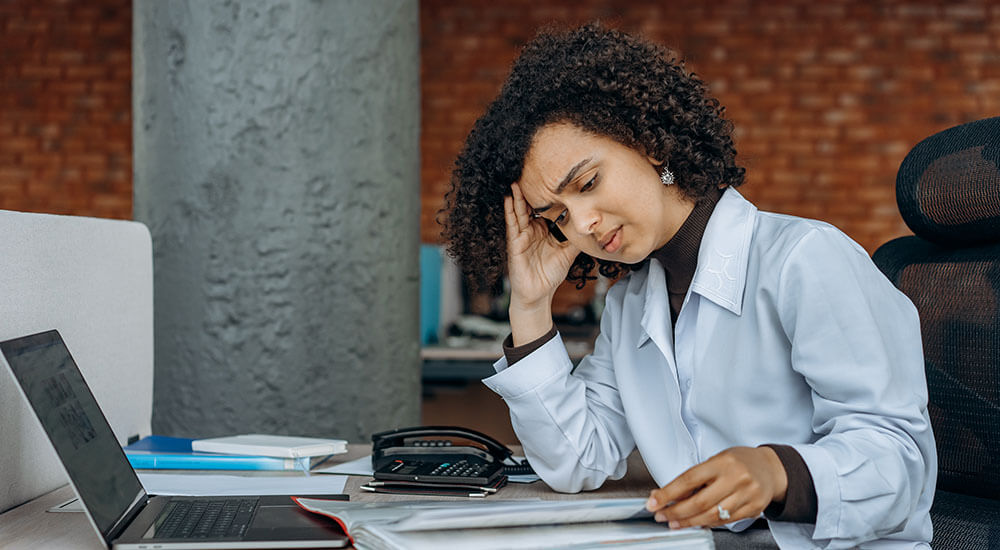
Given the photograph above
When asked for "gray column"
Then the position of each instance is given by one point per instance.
(277, 166)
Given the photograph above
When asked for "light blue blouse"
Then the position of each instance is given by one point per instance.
(789, 334)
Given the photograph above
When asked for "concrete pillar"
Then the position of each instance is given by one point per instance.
(277, 166)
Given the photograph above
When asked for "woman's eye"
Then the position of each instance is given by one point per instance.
(561, 218)
(587, 186)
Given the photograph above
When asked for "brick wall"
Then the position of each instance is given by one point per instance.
(827, 97)
(65, 100)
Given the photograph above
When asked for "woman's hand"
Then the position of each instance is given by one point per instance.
(536, 263)
(740, 480)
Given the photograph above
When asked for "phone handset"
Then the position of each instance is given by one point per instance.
(390, 444)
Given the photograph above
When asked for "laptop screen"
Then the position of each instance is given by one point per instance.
(75, 424)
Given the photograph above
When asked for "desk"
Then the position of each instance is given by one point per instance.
(30, 526)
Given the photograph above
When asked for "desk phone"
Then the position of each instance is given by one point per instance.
(429, 455)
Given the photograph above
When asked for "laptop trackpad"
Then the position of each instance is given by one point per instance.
(279, 518)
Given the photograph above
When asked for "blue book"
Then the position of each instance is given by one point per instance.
(159, 452)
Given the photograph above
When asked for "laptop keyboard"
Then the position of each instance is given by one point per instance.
(199, 519)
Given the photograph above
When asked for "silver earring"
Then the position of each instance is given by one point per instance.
(666, 176)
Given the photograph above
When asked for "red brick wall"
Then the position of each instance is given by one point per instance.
(827, 97)
(65, 102)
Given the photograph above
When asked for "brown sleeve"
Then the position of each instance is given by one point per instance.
(515, 354)
(800, 499)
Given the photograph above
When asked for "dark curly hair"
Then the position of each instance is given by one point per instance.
(605, 82)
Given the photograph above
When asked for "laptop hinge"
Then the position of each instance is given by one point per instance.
(133, 510)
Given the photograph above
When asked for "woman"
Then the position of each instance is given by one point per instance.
(760, 363)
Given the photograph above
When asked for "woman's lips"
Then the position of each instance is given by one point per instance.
(614, 243)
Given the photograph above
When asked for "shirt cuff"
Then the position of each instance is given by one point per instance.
(516, 353)
(800, 504)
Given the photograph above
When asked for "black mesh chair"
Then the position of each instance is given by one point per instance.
(948, 191)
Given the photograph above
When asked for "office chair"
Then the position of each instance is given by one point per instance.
(948, 191)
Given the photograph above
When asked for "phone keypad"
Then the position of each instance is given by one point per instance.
(441, 471)
(462, 468)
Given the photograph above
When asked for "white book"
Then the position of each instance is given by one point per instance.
(495, 525)
(270, 445)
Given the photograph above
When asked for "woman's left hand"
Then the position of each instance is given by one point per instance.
(740, 480)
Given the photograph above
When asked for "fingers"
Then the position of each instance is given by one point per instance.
(518, 219)
(727, 510)
(696, 504)
(692, 500)
(682, 487)
(736, 479)
(521, 213)
(510, 218)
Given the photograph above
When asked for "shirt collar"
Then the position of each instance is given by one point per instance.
(723, 257)
(679, 257)
(720, 275)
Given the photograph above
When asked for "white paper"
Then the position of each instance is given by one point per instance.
(619, 534)
(507, 513)
(359, 467)
(213, 484)
(426, 515)
(445, 524)
(363, 467)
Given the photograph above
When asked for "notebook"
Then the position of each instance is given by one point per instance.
(270, 445)
(116, 505)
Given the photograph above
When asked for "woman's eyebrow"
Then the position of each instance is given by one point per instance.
(565, 181)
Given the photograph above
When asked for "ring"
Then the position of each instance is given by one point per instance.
(723, 513)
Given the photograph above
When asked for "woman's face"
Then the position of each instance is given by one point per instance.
(605, 197)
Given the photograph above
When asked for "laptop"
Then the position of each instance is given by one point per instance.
(114, 500)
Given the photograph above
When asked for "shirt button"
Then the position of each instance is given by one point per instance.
(688, 384)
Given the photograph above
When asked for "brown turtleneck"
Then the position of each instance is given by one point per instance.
(679, 258)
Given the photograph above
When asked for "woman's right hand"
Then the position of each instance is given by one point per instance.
(536, 263)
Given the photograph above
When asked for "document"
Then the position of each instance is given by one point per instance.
(586, 523)
(357, 467)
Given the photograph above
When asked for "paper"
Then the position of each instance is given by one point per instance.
(359, 467)
(588, 523)
(363, 467)
(430, 515)
(203, 485)
(512, 513)
(619, 534)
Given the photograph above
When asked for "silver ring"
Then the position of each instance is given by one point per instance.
(723, 513)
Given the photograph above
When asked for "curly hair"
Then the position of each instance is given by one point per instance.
(605, 82)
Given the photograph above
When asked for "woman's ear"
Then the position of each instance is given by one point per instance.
(653, 161)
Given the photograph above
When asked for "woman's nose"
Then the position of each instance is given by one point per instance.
(586, 220)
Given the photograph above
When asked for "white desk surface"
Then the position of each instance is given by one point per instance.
(29, 526)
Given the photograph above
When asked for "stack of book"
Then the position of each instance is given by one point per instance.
(240, 452)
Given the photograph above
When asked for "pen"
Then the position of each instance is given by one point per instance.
(409, 484)
(415, 491)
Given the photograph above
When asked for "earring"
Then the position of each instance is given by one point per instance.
(666, 176)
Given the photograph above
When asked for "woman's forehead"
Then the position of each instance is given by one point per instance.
(558, 151)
